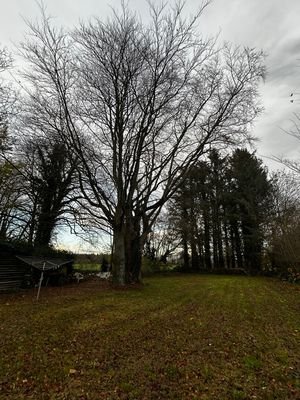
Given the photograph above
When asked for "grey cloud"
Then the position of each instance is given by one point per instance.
(271, 25)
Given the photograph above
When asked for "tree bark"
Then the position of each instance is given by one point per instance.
(118, 257)
(237, 245)
(133, 250)
(45, 227)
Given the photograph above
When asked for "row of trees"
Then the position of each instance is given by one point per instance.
(222, 210)
(230, 214)
(113, 117)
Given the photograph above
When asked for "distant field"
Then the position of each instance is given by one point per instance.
(177, 337)
(87, 267)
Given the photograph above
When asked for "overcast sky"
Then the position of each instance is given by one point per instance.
(270, 25)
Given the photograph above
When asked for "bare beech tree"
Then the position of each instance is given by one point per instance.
(140, 104)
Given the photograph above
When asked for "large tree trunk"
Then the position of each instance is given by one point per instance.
(128, 243)
(46, 220)
(133, 251)
(119, 257)
(45, 227)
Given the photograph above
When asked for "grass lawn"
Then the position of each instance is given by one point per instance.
(87, 267)
(177, 337)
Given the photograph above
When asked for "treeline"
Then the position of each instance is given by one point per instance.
(112, 114)
(221, 210)
(114, 120)
(231, 215)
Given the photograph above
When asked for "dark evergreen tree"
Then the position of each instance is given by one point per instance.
(52, 180)
(251, 192)
(220, 211)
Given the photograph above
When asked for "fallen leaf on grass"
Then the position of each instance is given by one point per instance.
(72, 371)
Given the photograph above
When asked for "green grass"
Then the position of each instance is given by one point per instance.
(177, 337)
(87, 267)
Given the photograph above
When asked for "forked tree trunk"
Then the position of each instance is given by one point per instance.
(127, 252)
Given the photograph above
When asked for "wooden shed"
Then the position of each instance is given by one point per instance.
(12, 270)
(18, 268)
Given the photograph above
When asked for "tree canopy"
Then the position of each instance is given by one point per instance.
(139, 104)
